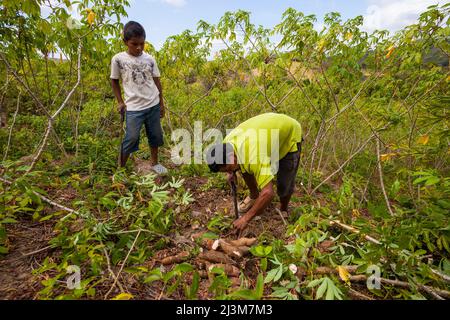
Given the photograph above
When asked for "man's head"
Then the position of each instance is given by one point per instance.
(221, 158)
(134, 38)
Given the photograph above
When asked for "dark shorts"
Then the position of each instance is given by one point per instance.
(287, 171)
(150, 118)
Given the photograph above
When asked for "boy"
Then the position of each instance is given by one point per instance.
(144, 102)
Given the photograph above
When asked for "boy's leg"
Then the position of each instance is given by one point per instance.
(154, 155)
(154, 132)
(134, 120)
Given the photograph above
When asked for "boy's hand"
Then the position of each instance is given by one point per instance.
(121, 107)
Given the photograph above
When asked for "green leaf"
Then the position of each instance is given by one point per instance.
(270, 275)
(154, 275)
(8, 220)
(259, 288)
(432, 180)
(183, 268)
(264, 264)
(314, 283)
(278, 274)
(321, 290)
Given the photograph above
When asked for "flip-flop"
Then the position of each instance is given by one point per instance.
(159, 169)
(246, 204)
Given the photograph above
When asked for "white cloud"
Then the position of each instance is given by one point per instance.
(393, 15)
(175, 3)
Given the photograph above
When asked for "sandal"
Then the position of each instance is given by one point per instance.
(245, 205)
(159, 169)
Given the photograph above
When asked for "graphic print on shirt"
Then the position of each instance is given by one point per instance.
(138, 72)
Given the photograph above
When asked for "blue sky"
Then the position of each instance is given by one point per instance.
(163, 18)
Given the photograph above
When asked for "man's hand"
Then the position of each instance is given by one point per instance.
(121, 107)
(241, 223)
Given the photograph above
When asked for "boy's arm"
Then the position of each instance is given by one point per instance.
(161, 100)
(116, 89)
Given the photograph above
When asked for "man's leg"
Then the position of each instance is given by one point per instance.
(287, 172)
(284, 202)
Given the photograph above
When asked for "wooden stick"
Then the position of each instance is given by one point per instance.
(281, 215)
(435, 292)
(354, 230)
(36, 251)
(53, 203)
(380, 172)
(110, 269)
(373, 240)
(123, 264)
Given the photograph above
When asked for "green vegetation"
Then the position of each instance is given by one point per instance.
(373, 188)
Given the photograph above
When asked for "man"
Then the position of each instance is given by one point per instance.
(260, 148)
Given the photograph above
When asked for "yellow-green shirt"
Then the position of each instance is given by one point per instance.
(252, 143)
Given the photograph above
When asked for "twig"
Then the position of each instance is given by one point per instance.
(435, 292)
(36, 251)
(344, 163)
(12, 125)
(402, 284)
(380, 172)
(441, 275)
(281, 215)
(123, 264)
(52, 118)
(358, 294)
(373, 240)
(110, 270)
(51, 202)
(354, 230)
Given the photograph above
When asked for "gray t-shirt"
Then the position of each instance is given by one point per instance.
(137, 79)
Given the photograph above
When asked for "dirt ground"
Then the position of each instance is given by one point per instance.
(28, 242)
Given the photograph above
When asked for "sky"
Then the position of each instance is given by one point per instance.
(163, 18)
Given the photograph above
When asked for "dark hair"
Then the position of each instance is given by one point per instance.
(217, 156)
(133, 29)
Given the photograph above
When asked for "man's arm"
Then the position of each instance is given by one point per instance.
(265, 197)
(116, 89)
(161, 100)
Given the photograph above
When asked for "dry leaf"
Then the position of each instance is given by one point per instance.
(386, 156)
(343, 274)
(423, 139)
(123, 296)
(91, 17)
(390, 50)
